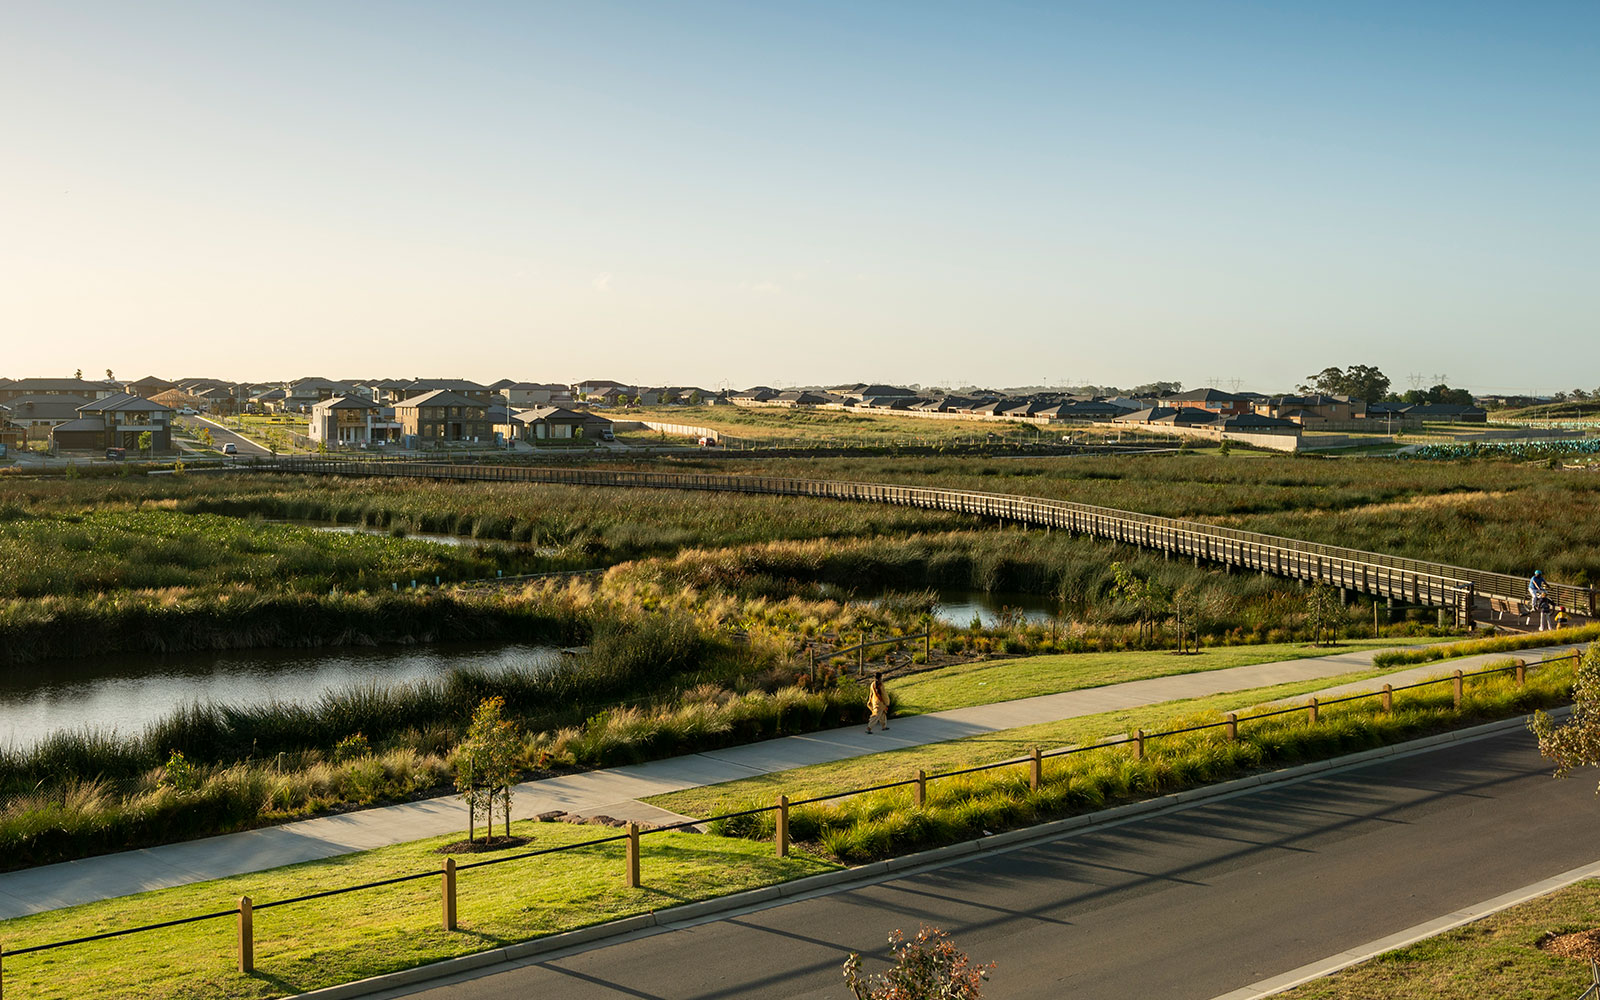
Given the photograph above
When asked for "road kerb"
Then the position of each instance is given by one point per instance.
(1411, 935)
(614, 932)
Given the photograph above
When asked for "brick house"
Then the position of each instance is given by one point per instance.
(344, 420)
(116, 422)
(442, 416)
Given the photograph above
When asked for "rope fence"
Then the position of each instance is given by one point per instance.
(633, 835)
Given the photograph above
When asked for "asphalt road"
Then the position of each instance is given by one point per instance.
(221, 436)
(1187, 905)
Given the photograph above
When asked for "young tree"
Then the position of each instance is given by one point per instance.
(110, 377)
(78, 374)
(928, 967)
(694, 399)
(145, 443)
(1323, 612)
(1149, 599)
(486, 763)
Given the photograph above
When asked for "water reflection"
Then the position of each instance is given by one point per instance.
(128, 692)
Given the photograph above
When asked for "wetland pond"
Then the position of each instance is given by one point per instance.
(126, 693)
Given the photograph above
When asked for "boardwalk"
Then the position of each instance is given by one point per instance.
(1463, 591)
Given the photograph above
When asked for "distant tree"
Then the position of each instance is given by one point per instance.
(109, 376)
(1575, 742)
(1155, 389)
(1357, 381)
(694, 399)
(78, 374)
(928, 967)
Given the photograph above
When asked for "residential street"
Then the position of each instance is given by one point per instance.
(1191, 904)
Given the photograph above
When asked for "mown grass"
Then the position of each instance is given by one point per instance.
(1489, 959)
(989, 681)
(1496, 644)
(343, 938)
(903, 763)
(884, 823)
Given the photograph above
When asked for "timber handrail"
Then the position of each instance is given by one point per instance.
(1414, 581)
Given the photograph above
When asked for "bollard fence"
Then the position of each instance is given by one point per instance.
(1311, 711)
(1455, 689)
(243, 912)
(247, 943)
(449, 894)
(1522, 674)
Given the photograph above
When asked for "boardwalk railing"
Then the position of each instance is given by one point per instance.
(1412, 581)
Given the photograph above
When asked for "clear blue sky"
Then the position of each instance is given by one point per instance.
(761, 192)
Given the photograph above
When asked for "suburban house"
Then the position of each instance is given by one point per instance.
(802, 397)
(863, 390)
(1313, 408)
(600, 386)
(115, 422)
(442, 416)
(304, 393)
(555, 423)
(35, 415)
(269, 400)
(1454, 412)
(148, 387)
(525, 395)
(459, 386)
(347, 420)
(760, 395)
(75, 387)
(1210, 400)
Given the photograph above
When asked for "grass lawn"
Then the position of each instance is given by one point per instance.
(989, 681)
(1490, 959)
(897, 765)
(309, 945)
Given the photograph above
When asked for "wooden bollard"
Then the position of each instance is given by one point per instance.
(1311, 711)
(1035, 769)
(447, 894)
(1388, 698)
(783, 826)
(247, 944)
(1233, 727)
(633, 855)
(1455, 689)
(922, 789)
(1522, 673)
(1138, 743)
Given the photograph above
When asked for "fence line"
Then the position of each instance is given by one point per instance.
(1138, 740)
(1413, 581)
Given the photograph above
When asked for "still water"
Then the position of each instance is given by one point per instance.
(127, 692)
(956, 607)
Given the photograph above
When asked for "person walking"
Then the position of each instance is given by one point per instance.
(878, 703)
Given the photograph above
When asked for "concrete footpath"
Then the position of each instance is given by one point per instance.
(616, 791)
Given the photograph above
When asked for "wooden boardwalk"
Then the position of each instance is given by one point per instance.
(1462, 590)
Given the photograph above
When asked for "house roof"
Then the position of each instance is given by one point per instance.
(556, 413)
(80, 424)
(451, 384)
(1256, 420)
(125, 402)
(346, 403)
(59, 385)
(880, 390)
(438, 397)
(46, 407)
(1203, 396)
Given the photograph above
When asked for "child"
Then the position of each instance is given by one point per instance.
(878, 703)
(1561, 616)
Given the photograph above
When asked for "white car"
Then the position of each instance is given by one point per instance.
(229, 449)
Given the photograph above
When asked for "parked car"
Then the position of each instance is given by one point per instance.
(606, 434)
(709, 442)
(116, 454)
(229, 449)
